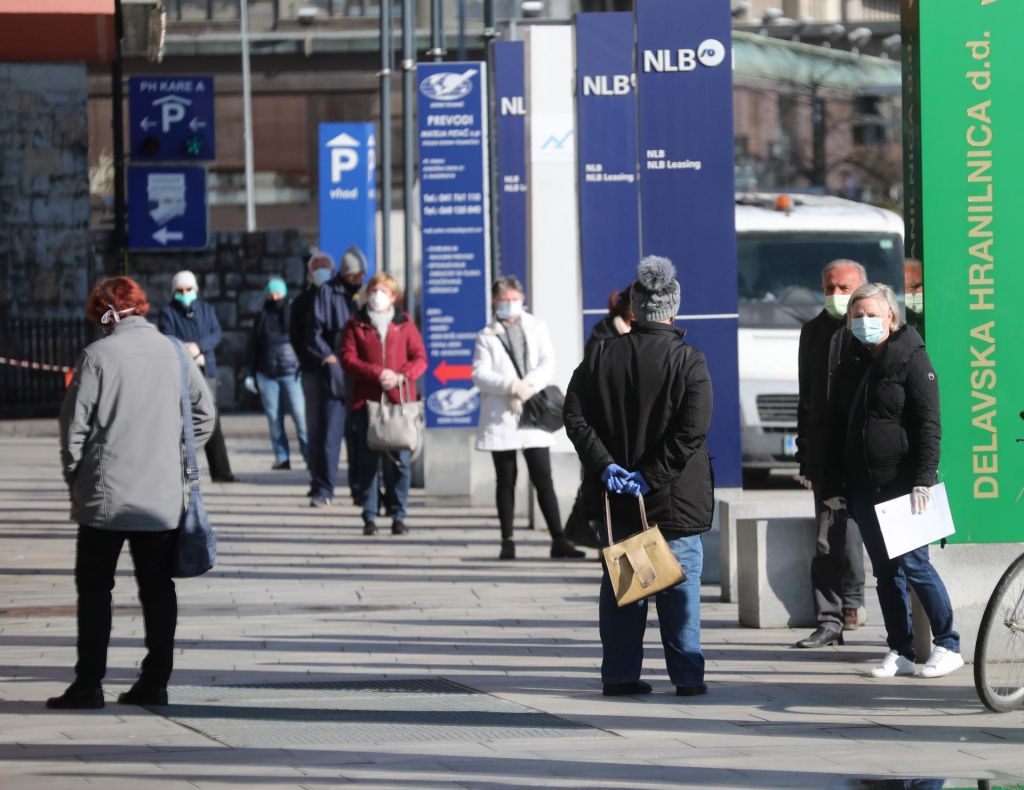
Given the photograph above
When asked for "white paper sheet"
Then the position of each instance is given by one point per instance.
(903, 531)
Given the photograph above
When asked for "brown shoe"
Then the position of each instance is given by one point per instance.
(853, 619)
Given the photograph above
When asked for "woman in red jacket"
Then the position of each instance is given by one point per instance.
(382, 352)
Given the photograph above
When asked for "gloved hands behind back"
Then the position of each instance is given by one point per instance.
(636, 486)
(614, 478)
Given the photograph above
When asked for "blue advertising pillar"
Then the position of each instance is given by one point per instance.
(348, 191)
(510, 110)
(687, 200)
(452, 119)
(606, 137)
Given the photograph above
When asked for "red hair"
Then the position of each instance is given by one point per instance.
(121, 293)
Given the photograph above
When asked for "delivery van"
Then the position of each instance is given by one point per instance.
(783, 243)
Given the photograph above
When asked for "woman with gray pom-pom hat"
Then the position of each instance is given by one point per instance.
(638, 410)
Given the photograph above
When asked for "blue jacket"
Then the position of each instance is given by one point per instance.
(331, 311)
(198, 324)
(270, 350)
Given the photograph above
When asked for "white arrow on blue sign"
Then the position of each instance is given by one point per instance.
(167, 208)
(171, 118)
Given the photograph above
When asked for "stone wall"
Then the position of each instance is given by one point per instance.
(232, 273)
(44, 190)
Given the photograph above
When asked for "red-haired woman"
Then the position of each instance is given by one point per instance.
(120, 438)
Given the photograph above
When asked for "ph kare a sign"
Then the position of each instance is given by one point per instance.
(348, 192)
(167, 208)
(972, 121)
(607, 149)
(452, 122)
(171, 119)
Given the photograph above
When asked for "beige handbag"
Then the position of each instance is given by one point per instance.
(395, 426)
(642, 564)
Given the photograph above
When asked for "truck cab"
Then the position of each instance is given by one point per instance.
(783, 243)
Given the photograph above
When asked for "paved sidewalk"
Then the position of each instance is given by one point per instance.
(314, 657)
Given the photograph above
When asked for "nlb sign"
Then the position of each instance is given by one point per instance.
(348, 199)
(509, 80)
(709, 53)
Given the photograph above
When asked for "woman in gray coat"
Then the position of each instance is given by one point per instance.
(121, 453)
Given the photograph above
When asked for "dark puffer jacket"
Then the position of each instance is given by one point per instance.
(643, 400)
(270, 349)
(885, 435)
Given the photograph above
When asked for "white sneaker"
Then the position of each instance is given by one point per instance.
(941, 662)
(893, 664)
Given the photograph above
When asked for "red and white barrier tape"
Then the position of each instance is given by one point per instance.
(21, 363)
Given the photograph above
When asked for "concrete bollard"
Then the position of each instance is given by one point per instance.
(773, 572)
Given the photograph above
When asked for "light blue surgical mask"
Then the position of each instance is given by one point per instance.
(868, 329)
(186, 299)
(507, 309)
(320, 276)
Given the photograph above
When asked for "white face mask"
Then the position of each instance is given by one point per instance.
(915, 302)
(505, 310)
(379, 301)
(836, 304)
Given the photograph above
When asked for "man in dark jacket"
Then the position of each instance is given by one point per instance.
(274, 373)
(195, 324)
(637, 410)
(325, 393)
(837, 570)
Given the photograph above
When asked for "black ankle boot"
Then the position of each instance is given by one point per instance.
(144, 694)
(77, 698)
(562, 549)
(508, 549)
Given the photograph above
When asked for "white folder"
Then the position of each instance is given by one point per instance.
(905, 531)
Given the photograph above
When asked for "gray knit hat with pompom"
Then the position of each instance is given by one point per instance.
(655, 294)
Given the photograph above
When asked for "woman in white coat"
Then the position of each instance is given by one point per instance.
(516, 342)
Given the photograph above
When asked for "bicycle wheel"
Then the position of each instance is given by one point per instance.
(999, 655)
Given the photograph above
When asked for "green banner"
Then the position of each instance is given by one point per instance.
(972, 152)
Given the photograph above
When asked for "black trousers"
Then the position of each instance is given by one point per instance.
(837, 570)
(96, 557)
(216, 450)
(538, 463)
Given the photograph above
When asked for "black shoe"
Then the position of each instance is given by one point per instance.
(77, 698)
(823, 635)
(626, 689)
(140, 694)
(691, 691)
(562, 549)
(224, 478)
(508, 550)
(282, 465)
(369, 528)
(399, 528)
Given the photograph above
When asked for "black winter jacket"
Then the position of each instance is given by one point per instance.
(820, 352)
(884, 436)
(643, 401)
(196, 323)
(270, 350)
(301, 316)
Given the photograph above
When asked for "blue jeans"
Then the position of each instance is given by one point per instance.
(394, 468)
(325, 421)
(622, 628)
(280, 396)
(893, 576)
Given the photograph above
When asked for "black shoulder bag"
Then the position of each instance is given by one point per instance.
(544, 409)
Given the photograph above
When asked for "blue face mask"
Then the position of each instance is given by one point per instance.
(186, 299)
(867, 329)
(320, 276)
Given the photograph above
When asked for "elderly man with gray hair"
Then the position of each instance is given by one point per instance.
(837, 570)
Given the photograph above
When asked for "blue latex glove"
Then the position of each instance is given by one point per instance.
(614, 477)
(636, 485)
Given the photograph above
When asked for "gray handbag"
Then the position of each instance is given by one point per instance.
(395, 426)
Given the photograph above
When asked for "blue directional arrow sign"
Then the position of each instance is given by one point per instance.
(171, 118)
(167, 208)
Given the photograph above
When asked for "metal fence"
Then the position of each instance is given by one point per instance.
(53, 341)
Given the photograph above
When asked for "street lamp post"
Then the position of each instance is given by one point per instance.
(250, 200)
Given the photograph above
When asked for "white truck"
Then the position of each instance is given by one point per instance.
(783, 243)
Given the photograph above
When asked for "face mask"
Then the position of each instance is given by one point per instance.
(379, 301)
(867, 329)
(186, 299)
(915, 302)
(507, 310)
(319, 277)
(836, 304)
